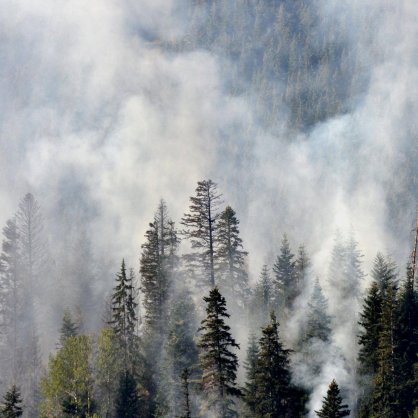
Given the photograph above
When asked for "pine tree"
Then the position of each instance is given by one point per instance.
(332, 406)
(12, 401)
(262, 298)
(284, 281)
(124, 313)
(370, 321)
(199, 228)
(273, 388)
(407, 346)
(127, 400)
(68, 328)
(157, 268)
(384, 273)
(250, 366)
(218, 363)
(302, 265)
(230, 259)
(385, 402)
(319, 322)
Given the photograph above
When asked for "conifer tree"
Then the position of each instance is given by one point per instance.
(273, 389)
(199, 227)
(332, 406)
(370, 321)
(319, 322)
(157, 268)
(127, 400)
(124, 313)
(385, 402)
(407, 346)
(302, 265)
(384, 273)
(68, 328)
(218, 362)
(12, 401)
(230, 259)
(284, 281)
(250, 366)
(262, 298)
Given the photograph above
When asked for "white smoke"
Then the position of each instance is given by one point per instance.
(91, 103)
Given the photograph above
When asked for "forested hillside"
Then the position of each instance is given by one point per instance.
(208, 209)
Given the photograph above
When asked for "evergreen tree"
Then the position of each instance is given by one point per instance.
(284, 281)
(199, 228)
(218, 363)
(157, 268)
(385, 402)
(250, 366)
(127, 399)
(302, 265)
(319, 322)
(384, 273)
(407, 346)
(124, 314)
(12, 401)
(262, 298)
(230, 259)
(332, 406)
(273, 388)
(370, 321)
(68, 328)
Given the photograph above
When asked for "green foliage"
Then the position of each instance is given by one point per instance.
(318, 321)
(108, 365)
(273, 395)
(69, 328)
(332, 406)
(231, 261)
(262, 299)
(218, 362)
(12, 401)
(68, 388)
(127, 400)
(124, 318)
(250, 366)
(284, 281)
(371, 329)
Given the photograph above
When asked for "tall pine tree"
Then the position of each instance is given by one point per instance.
(231, 260)
(332, 406)
(199, 227)
(218, 362)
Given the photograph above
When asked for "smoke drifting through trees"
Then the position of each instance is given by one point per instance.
(130, 103)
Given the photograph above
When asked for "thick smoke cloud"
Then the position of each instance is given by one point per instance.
(94, 113)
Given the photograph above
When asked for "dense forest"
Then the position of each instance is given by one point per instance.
(171, 333)
(133, 285)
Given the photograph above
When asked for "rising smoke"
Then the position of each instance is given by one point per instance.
(99, 120)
